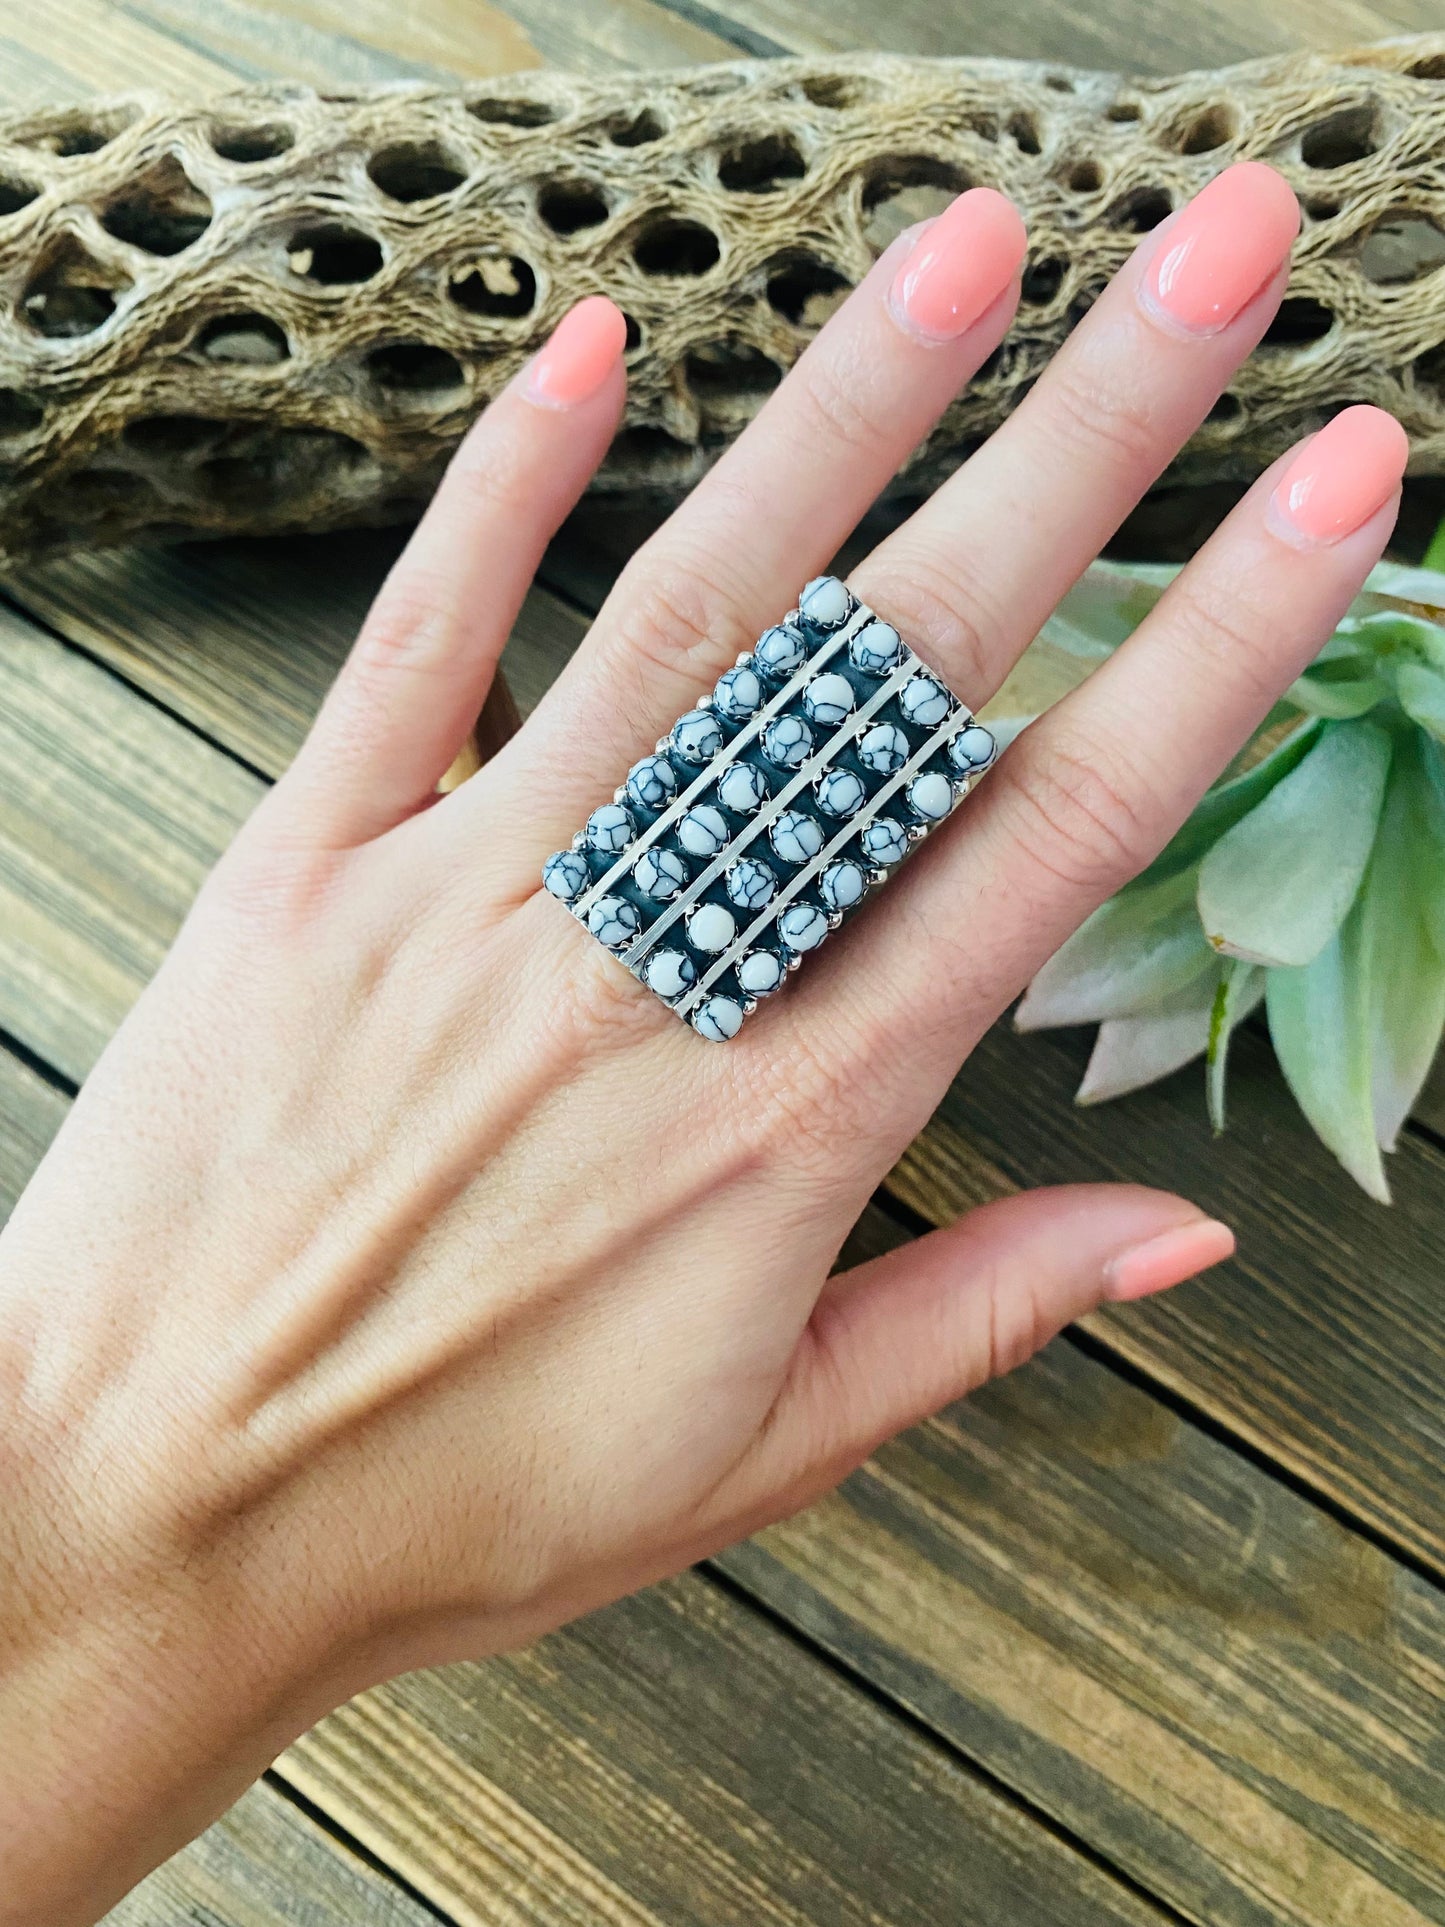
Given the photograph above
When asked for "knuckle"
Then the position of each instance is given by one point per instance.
(1078, 818)
(836, 411)
(602, 1003)
(487, 476)
(946, 620)
(1228, 627)
(272, 881)
(412, 628)
(677, 620)
(1017, 1327)
(821, 1106)
(1098, 412)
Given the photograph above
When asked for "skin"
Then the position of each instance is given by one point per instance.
(405, 1280)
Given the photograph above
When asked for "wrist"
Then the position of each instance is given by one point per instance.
(148, 1671)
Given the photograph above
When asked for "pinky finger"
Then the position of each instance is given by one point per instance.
(420, 670)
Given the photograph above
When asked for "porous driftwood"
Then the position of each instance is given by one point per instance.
(280, 309)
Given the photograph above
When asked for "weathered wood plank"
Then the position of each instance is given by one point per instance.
(241, 640)
(1235, 1698)
(195, 47)
(31, 1111)
(102, 49)
(267, 1865)
(1227, 1723)
(1322, 1343)
(709, 1771)
(110, 815)
(1128, 34)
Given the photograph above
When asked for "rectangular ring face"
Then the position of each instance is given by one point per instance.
(770, 812)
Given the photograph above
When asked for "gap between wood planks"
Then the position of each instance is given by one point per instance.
(931, 1735)
(334, 1830)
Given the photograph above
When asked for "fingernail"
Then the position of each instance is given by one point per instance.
(959, 266)
(1221, 249)
(1167, 1260)
(1339, 478)
(583, 349)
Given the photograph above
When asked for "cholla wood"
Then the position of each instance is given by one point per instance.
(279, 310)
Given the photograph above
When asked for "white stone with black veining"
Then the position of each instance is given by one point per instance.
(708, 791)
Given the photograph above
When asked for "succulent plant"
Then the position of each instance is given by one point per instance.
(1310, 879)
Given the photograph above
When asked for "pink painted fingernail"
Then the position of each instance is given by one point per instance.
(1167, 1260)
(959, 266)
(584, 348)
(1221, 249)
(1339, 478)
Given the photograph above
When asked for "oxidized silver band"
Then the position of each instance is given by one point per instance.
(772, 810)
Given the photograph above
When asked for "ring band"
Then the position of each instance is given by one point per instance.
(771, 811)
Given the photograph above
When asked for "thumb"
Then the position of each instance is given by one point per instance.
(895, 1339)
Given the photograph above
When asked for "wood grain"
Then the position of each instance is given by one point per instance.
(1222, 1730)
(1322, 1343)
(198, 47)
(1135, 35)
(708, 1771)
(1234, 1698)
(241, 640)
(266, 1864)
(31, 1112)
(110, 816)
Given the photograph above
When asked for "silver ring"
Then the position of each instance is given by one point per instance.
(771, 811)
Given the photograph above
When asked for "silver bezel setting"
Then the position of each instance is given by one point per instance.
(714, 996)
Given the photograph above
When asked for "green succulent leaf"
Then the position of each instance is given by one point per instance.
(1421, 690)
(1432, 802)
(1319, 1020)
(1346, 687)
(1406, 967)
(1312, 880)
(1130, 1052)
(1131, 957)
(1240, 992)
(1397, 582)
(1106, 605)
(1228, 803)
(1276, 886)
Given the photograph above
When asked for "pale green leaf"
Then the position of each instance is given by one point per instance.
(1394, 635)
(1106, 605)
(1275, 887)
(1227, 803)
(1423, 586)
(1240, 991)
(1130, 1052)
(1406, 969)
(1422, 696)
(1343, 687)
(1006, 730)
(1319, 1020)
(1132, 956)
(1432, 798)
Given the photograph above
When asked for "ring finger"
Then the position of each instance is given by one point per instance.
(773, 510)
(972, 576)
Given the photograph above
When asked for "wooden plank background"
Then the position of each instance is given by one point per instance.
(1152, 1631)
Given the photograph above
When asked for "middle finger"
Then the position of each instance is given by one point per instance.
(973, 575)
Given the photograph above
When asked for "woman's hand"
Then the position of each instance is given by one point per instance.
(406, 1280)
